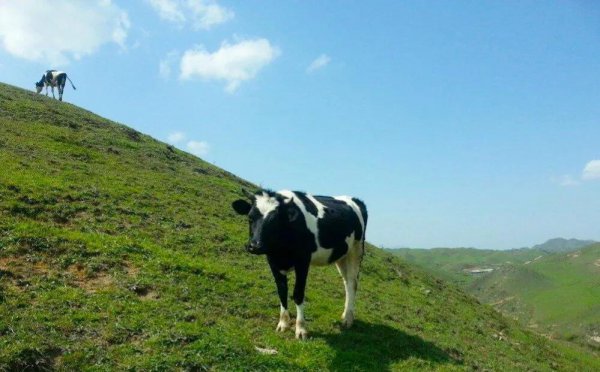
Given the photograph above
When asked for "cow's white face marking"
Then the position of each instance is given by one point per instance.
(266, 204)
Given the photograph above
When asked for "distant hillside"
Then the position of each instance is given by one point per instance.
(455, 263)
(557, 245)
(556, 294)
(119, 252)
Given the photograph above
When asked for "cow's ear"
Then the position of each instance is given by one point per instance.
(241, 206)
(292, 214)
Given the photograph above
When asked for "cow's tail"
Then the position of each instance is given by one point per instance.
(71, 83)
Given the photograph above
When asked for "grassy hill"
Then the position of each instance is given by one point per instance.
(558, 294)
(558, 245)
(118, 251)
(454, 263)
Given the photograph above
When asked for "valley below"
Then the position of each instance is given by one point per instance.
(552, 288)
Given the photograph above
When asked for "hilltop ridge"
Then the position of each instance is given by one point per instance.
(118, 251)
(562, 245)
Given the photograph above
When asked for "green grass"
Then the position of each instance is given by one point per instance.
(556, 294)
(451, 263)
(120, 252)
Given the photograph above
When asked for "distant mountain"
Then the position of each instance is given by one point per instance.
(557, 245)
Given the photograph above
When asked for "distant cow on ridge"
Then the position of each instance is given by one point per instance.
(295, 230)
(53, 78)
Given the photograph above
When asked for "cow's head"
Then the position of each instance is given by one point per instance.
(270, 217)
(38, 87)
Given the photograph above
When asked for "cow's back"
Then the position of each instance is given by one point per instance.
(54, 76)
(336, 223)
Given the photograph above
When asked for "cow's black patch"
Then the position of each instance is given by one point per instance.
(363, 209)
(61, 79)
(49, 75)
(308, 204)
(339, 222)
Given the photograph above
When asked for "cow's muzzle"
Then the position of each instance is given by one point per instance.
(254, 247)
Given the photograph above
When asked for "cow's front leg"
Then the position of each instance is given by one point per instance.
(53, 96)
(282, 290)
(46, 91)
(299, 288)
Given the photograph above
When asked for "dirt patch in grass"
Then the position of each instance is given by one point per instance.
(131, 270)
(91, 284)
(19, 268)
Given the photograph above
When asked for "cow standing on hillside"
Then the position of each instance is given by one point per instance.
(53, 78)
(295, 230)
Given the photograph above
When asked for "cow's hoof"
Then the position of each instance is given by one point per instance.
(301, 334)
(347, 320)
(282, 326)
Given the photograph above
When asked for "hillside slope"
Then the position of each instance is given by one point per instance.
(118, 251)
(454, 263)
(562, 245)
(558, 294)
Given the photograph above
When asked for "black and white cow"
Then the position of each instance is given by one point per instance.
(295, 230)
(53, 78)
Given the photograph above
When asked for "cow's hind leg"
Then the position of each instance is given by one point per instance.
(348, 268)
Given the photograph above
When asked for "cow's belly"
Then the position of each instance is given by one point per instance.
(321, 256)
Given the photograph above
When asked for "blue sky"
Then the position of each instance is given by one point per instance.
(459, 123)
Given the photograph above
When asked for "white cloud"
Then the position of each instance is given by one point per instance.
(169, 10)
(198, 148)
(320, 62)
(201, 13)
(591, 171)
(164, 66)
(206, 14)
(176, 137)
(233, 63)
(567, 181)
(59, 31)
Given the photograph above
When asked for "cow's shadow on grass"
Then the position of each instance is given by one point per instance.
(376, 347)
